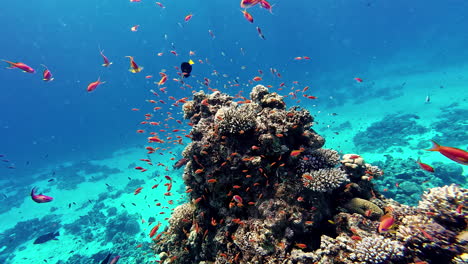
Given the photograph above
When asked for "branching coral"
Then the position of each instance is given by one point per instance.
(447, 203)
(320, 158)
(375, 250)
(324, 180)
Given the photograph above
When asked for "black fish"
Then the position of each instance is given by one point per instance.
(186, 69)
(46, 237)
(51, 180)
(106, 260)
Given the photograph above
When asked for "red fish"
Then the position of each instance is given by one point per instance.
(92, 86)
(424, 166)
(257, 78)
(138, 190)
(248, 3)
(133, 66)
(248, 16)
(455, 154)
(106, 63)
(40, 198)
(266, 5)
(46, 74)
(20, 65)
(160, 5)
(358, 80)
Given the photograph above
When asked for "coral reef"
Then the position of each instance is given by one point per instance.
(392, 130)
(262, 190)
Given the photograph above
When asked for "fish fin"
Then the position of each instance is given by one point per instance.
(435, 146)
(9, 62)
(418, 160)
(57, 233)
(33, 191)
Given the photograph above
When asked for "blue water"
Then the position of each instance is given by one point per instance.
(47, 123)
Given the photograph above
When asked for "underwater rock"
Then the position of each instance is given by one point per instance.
(262, 190)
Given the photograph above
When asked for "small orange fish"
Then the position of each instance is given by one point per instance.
(248, 16)
(424, 166)
(295, 153)
(300, 245)
(211, 180)
(92, 86)
(138, 190)
(134, 28)
(188, 17)
(257, 78)
(133, 66)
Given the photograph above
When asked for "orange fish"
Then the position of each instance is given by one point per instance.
(188, 17)
(297, 152)
(154, 230)
(386, 222)
(248, 16)
(257, 78)
(134, 28)
(301, 246)
(424, 166)
(133, 66)
(455, 154)
(138, 190)
(20, 66)
(92, 86)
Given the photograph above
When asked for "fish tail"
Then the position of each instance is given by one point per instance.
(435, 146)
(33, 191)
(11, 64)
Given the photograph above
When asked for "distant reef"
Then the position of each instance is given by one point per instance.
(263, 190)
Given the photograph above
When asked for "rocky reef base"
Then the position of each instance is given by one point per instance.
(263, 190)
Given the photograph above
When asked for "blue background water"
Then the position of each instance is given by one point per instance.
(62, 120)
(44, 123)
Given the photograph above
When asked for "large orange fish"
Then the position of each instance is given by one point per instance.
(386, 222)
(455, 154)
(20, 66)
(133, 66)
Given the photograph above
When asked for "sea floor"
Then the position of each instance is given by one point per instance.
(96, 211)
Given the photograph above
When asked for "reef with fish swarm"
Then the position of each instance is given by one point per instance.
(263, 190)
